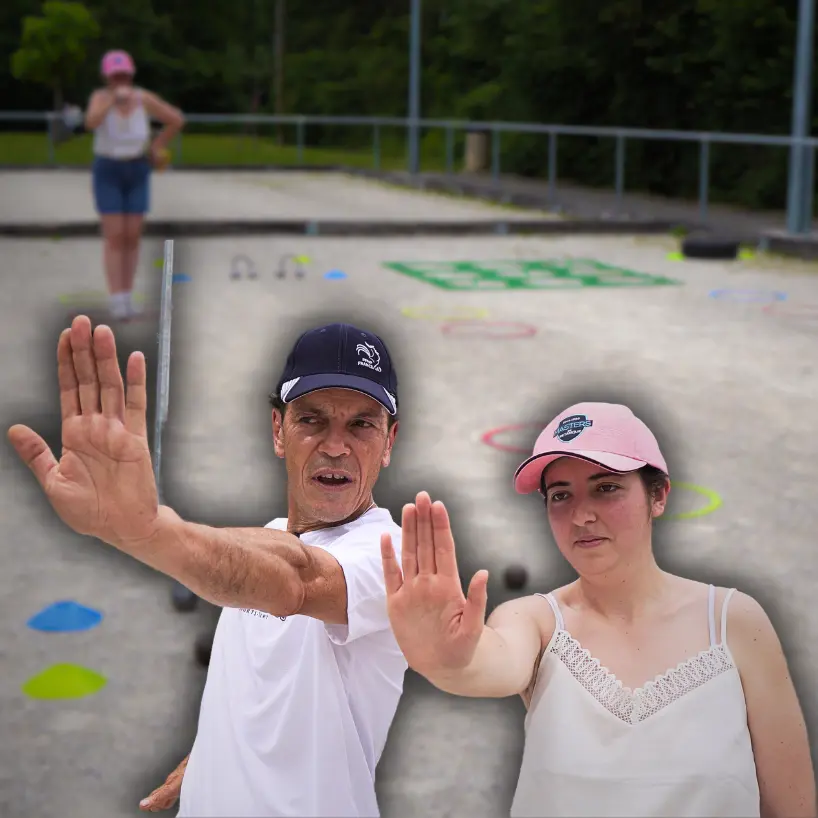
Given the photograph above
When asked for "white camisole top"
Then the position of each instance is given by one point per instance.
(678, 746)
(123, 137)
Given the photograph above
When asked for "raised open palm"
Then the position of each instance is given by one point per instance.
(103, 485)
(435, 625)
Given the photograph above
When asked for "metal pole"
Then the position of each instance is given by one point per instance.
(414, 88)
(163, 369)
(278, 68)
(796, 218)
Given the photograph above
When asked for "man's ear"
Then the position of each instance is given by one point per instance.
(278, 433)
(390, 442)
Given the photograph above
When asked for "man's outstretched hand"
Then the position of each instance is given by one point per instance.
(103, 485)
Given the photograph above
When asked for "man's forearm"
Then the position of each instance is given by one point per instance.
(258, 568)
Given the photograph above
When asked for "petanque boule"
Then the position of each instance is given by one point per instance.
(183, 599)
(515, 577)
(203, 648)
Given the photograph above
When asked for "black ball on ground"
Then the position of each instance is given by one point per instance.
(203, 647)
(183, 599)
(515, 577)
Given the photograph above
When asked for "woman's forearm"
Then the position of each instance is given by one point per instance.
(171, 129)
(497, 669)
(97, 109)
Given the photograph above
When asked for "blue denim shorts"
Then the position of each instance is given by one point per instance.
(121, 185)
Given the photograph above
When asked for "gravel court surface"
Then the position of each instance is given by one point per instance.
(725, 386)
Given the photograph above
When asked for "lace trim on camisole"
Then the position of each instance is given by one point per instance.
(633, 706)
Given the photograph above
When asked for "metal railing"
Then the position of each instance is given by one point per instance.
(496, 130)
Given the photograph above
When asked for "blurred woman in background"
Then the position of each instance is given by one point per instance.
(120, 114)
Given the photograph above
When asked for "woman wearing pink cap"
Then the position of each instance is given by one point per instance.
(647, 694)
(124, 154)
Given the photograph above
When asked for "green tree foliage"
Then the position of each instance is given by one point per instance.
(694, 65)
(53, 47)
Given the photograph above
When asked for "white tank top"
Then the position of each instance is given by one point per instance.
(678, 746)
(123, 137)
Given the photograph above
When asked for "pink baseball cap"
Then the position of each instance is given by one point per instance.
(604, 433)
(117, 62)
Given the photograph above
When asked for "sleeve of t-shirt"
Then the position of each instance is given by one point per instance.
(360, 559)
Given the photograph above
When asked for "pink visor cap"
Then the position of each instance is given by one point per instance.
(605, 433)
(117, 62)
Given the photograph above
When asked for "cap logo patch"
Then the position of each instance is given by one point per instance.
(572, 427)
(392, 400)
(368, 356)
(286, 387)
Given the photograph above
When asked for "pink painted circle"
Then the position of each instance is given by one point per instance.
(490, 437)
(491, 330)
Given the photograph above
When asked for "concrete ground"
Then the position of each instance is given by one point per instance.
(729, 388)
(65, 196)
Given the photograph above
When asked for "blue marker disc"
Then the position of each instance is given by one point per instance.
(65, 616)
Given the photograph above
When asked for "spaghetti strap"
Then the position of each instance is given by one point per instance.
(724, 616)
(711, 614)
(556, 609)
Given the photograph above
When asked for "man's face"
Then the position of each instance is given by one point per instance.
(334, 443)
(600, 520)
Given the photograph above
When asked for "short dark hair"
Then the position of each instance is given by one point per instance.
(653, 479)
(277, 403)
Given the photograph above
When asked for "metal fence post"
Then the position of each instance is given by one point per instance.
(801, 115)
(449, 149)
(552, 166)
(299, 129)
(413, 129)
(50, 129)
(704, 179)
(495, 154)
(376, 146)
(620, 169)
(809, 187)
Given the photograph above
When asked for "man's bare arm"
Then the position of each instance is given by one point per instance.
(167, 795)
(260, 568)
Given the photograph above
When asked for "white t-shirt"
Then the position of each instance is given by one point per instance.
(295, 713)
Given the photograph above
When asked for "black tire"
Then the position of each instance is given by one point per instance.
(515, 577)
(183, 600)
(710, 247)
(203, 648)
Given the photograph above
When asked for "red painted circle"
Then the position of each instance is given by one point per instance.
(808, 311)
(489, 437)
(516, 329)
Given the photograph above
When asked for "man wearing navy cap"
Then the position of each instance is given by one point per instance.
(305, 675)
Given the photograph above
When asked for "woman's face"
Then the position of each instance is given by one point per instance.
(600, 520)
(119, 80)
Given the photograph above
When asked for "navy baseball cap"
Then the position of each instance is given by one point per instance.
(340, 356)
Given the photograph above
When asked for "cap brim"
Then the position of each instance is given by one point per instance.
(528, 477)
(312, 383)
